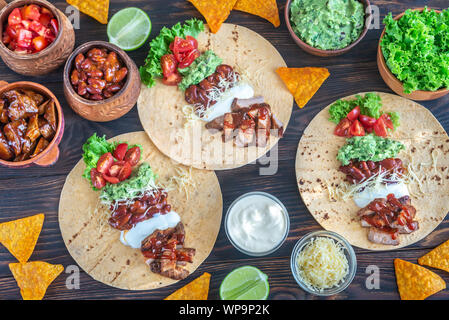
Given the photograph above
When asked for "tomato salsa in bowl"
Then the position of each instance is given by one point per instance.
(36, 38)
(101, 82)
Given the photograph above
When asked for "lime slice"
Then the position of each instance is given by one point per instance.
(245, 283)
(129, 28)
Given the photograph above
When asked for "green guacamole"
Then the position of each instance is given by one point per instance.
(369, 147)
(327, 24)
(131, 188)
(201, 68)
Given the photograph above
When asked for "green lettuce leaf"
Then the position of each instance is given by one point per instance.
(159, 46)
(93, 149)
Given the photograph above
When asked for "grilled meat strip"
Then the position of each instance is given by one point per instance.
(165, 253)
(357, 171)
(387, 218)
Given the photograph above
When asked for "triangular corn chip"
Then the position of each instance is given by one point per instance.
(416, 282)
(97, 9)
(266, 9)
(214, 11)
(303, 83)
(20, 236)
(437, 258)
(33, 278)
(198, 289)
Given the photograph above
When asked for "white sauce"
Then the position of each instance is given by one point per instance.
(134, 236)
(241, 91)
(256, 223)
(362, 199)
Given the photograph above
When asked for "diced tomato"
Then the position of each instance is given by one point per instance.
(380, 128)
(45, 19)
(15, 17)
(114, 170)
(354, 113)
(189, 58)
(357, 129)
(125, 171)
(49, 35)
(97, 179)
(120, 151)
(111, 180)
(342, 129)
(38, 28)
(173, 79)
(133, 156)
(24, 38)
(13, 30)
(366, 121)
(181, 45)
(168, 64)
(31, 12)
(105, 162)
(26, 24)
(54, 25)
(192, 41)
(40, 43)
(387, 121)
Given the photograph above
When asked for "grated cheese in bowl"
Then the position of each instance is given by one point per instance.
(323, 263)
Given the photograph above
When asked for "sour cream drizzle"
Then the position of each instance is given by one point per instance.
(362, 199)
(141, 230)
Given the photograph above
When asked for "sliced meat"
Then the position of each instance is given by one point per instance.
(405, 200)
(38, 98)
(246, 133)
(50, 115)
(383, 237)
(33, 131)
(231, 121)
(5, 151)
(20, 105)
(239, 104)
(41, 145)
(216, 124)
(405, 229)
(42, 107)
(14, 132)
(277, 125)
(45, 129)
(365, 212)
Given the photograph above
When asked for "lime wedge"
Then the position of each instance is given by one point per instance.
(129, 28)
(245, 283)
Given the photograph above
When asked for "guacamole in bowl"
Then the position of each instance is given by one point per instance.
(327, 24)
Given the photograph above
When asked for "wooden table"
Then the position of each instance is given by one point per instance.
(29, 191)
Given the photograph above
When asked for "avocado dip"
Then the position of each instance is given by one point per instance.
(327, 24)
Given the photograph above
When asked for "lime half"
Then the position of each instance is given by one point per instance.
(129, 28)
(245, 283)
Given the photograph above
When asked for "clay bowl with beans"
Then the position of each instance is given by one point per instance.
(101, 82)
(31, 125)
(53, 49)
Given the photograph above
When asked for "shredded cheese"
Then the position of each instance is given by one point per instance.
(322, 264)
(183, 180)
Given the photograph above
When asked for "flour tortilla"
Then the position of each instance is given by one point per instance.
(97, 248)
(160, 107)
(317, 164)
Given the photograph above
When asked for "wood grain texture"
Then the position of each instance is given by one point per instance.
(32, 190)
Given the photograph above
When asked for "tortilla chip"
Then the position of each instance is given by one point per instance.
(20, 236)
(266, 9)
(303, 83)
(437, 258)
(198, 289)
(97, 9)
(214, 11)
(33, 278)
(416, 282)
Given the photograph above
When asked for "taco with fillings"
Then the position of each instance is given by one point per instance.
(373, 167)
(213, 101)
(132, 218)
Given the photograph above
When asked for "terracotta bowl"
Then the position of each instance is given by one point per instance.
(50, 154)
(108, 109)
(327, 53)
(396, 85)
(46, 60)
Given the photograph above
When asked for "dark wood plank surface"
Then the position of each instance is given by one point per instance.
(29, 191)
